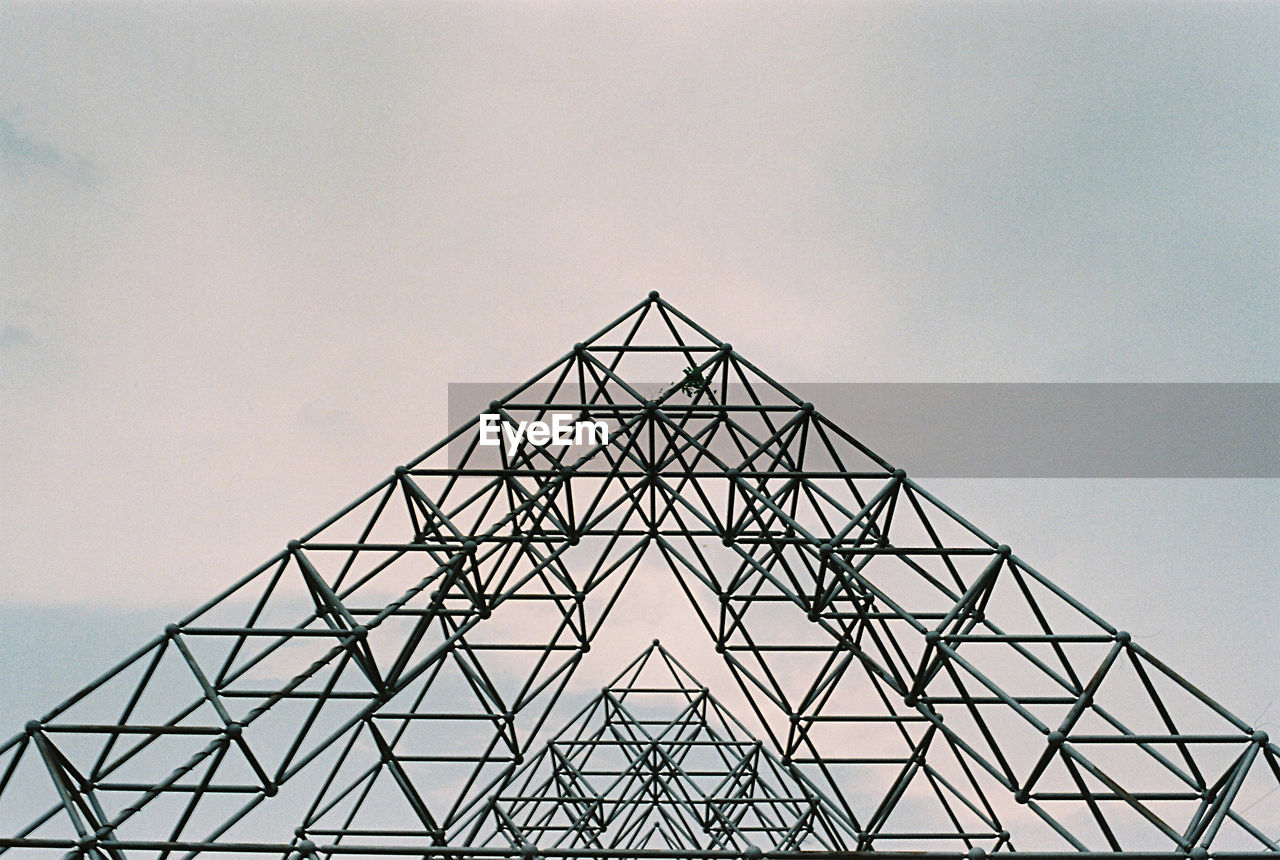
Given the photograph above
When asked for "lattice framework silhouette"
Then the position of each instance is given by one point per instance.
(384, 682)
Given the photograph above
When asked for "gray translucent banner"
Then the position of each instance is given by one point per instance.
(1022, 430)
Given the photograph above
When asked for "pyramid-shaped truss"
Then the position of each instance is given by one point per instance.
(655, 762)
(388, 684)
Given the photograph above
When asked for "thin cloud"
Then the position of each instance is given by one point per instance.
(21, 152)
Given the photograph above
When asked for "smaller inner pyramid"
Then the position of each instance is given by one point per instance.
(655, 761)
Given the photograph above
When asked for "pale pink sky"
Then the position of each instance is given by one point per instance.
(244, 247)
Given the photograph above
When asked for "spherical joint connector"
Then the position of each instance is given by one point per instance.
(726, 348)
(932, 636)
(657, 643)
(1123, 637)
(270, 789)
(88, 842)
(233, 730)
(976, 853)
(1021, 796)
(495, 406)
(401, 471)
(300, 832)
(733, 474)
(574, 540)
(360, 631)
(172, 630)
(1003, 550)
(584, 648)
(579, 348)
(806, 408)
(33, 726)
(470, 545)
(1056, 738)
(293, 545)
(528, 850)
(306, 848)
(752, 852)
(1260, 738)
(1198, 852)
(650, 407)
(653, 297)
(899, 474)
(727, 540)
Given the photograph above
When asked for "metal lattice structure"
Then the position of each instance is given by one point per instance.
(658, 763)
(390, 685)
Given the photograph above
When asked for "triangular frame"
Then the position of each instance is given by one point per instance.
(852, 607)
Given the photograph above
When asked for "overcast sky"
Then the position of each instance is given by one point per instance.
(244, 248)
